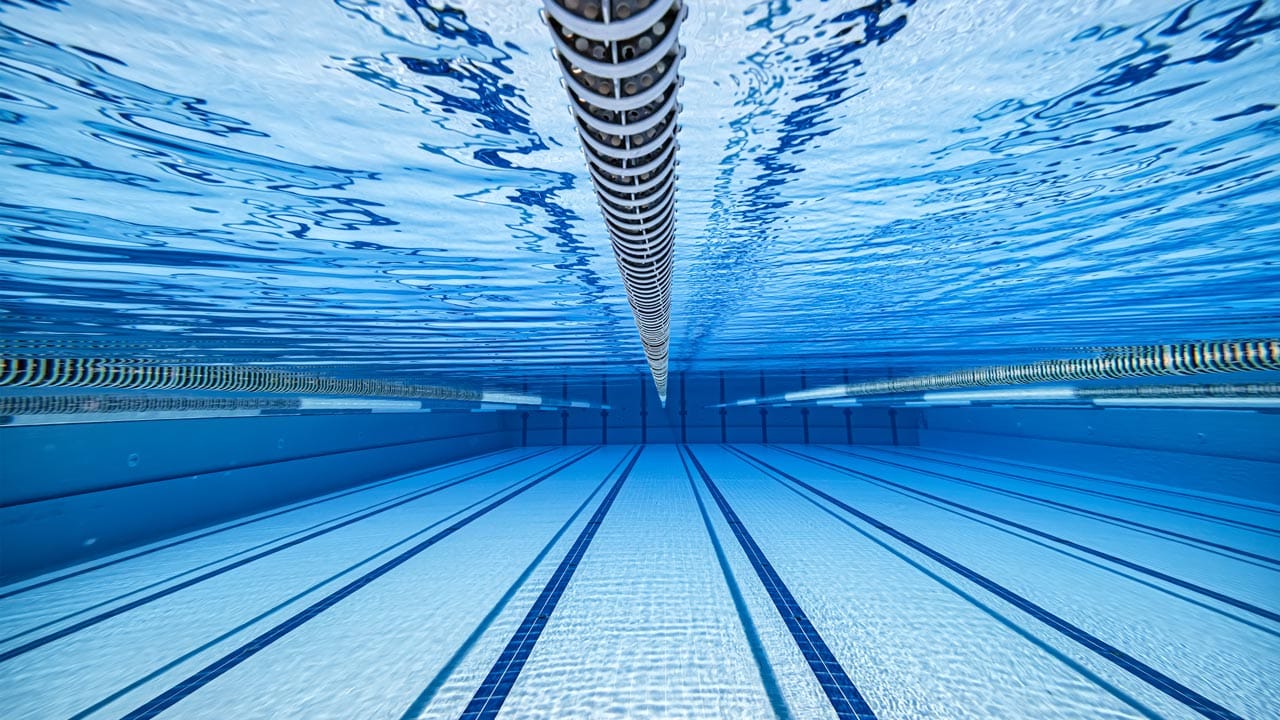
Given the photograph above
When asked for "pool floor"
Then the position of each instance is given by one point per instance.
(663, 581)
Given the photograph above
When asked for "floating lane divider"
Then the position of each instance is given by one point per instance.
(139, 602)
(493, 692)
(1156, 679)
(1209, 545)
(220, 666)
(136, 374)
(619, 61)
(1136, 567)
(1145, 361)
(840, 690)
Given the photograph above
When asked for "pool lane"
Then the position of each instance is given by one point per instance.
(487, 701)
(1203, 661)
(1081, 549)
(1253, 585)
(203, 620)
(1254, 511)
(693, 586)
(98, 565)
(915, 641)
(264, 641)
(648, 627)
(847, 702)
(1244, 514)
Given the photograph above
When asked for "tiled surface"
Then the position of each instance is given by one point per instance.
(1139, 669)
(845, 698)
(489, 697)
(1094, 597)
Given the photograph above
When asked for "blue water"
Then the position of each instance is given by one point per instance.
(395, 191)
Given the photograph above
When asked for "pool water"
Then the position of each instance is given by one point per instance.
(321, 395)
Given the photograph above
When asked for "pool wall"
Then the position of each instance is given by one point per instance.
(1228, 452)
(72, 492)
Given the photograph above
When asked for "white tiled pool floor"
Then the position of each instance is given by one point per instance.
(664, 581)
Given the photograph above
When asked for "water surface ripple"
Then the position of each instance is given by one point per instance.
(394, 188)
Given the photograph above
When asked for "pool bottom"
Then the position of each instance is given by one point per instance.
(677, 582)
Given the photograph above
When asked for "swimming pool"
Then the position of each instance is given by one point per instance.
(321, 392)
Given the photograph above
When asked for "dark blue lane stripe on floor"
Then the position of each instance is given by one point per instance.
(497, 685)
(845, 698)
(1156, 679)
(425, 698)
(1074, 509)
(1150, 572)
(139, 602)
(225, 663)
(1207, 517)
(241, 523)
(359, 565)
(768, 678)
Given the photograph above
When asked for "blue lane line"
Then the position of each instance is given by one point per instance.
(768, 678)
(425, 698)
(840, 690)
(1077, 510)
(139, 602)
(497, 685)
(225, 663)
(289, 602)
(1156, 679)
(1207, 592)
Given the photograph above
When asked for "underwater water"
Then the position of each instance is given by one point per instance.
(434, 479)
(395, 188)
